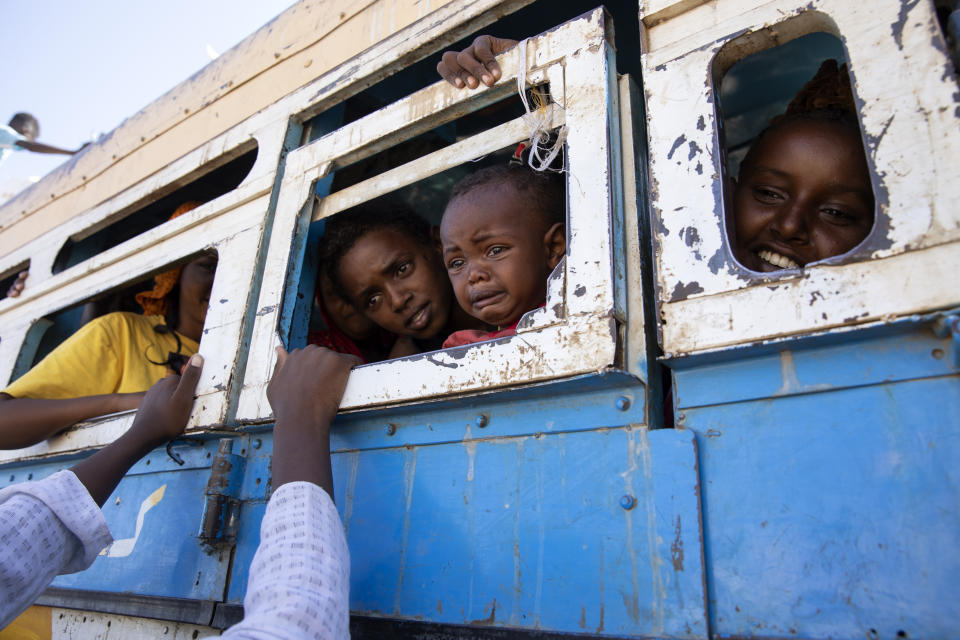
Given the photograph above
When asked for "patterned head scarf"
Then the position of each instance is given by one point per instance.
(828, 90)
(154, 302)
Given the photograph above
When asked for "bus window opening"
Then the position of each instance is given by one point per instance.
(81, 370)
(802, 191)
(401, 274)
(212, 180)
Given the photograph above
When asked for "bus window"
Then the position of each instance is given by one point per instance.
(160, 297)
(708, 297)
(576, 330)
(806, 193)
(209, 181)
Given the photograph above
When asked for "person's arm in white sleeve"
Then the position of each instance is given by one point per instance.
(55, 525)
(299, 580)
(47, 527)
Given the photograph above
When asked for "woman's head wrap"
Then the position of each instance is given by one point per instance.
(828, 90)
(154, 301)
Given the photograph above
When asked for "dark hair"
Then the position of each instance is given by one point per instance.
(546, 190)
(343, 231)
(25, 124)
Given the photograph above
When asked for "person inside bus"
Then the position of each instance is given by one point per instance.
(299, 580)
(108, 364)
(804, 193)
(346, 330)
(502, 234)
(21, 133)
(383, 258)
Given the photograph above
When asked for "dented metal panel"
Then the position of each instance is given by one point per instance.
(830, 485)
(575, 332)
(523, 531)
(908, 118)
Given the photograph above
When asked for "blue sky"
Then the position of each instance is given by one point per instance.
(83, 67)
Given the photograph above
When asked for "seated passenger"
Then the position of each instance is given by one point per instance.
(804, 192)
(502, 234)
(384, 261)
(108, 364)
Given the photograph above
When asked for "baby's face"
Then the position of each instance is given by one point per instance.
(498, 253)
(397, 282)
(803, 196)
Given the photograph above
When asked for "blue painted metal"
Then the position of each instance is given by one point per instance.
(221, 509)
(829, 486)
(304, 258)
(522, 532)
(166, 558)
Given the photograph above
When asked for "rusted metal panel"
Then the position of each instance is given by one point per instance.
(706, 299)
(575, 332)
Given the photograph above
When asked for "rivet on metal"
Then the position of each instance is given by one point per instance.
(257, 443)
(623, 403)
(482, 420)
(628, 502)
(390, 428)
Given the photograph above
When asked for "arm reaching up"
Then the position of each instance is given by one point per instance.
(475, 64)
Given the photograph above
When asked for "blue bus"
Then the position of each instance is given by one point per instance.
(674, 446)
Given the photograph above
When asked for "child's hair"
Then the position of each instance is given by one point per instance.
(25, 124)
(827, 97)
(545, 190)
(343, 231)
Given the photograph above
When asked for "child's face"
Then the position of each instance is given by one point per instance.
(803, 196)
(397, 282)
(498, 253)
(343, 314)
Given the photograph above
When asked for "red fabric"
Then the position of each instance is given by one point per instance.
(470, 336)
(336, 340)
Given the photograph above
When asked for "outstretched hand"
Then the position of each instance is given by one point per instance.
(165, 409)
(307, 385)
(475, 64)
(162, 416)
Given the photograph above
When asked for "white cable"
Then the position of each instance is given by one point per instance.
(538, 122)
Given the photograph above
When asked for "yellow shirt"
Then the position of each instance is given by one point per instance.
(109, 354)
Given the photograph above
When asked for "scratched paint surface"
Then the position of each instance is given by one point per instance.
(830, 492)
(908, 118)
(163, 557)
(527, 532)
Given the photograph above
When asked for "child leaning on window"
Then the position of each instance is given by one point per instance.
(804, 192)
(502, 234)
(382, 258)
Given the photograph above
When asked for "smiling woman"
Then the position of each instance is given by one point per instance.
(804, 192)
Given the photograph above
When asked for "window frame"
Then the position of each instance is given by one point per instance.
(576, 332)
(706, 301)
(232, 224)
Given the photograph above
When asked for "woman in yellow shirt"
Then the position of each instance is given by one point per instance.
(108, 364)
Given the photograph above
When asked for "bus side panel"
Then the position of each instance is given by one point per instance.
(531, 532)
(830, 498)
(154, 516)
(593, 531)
